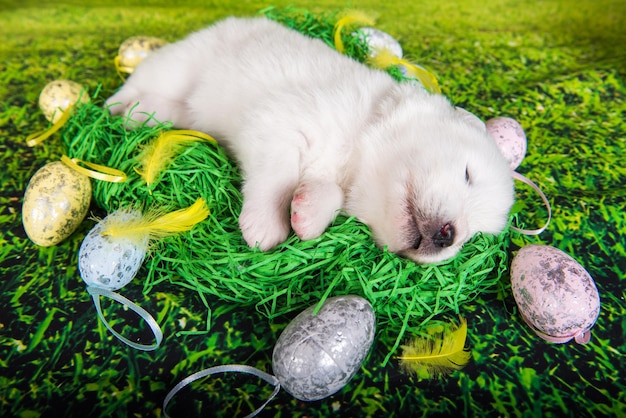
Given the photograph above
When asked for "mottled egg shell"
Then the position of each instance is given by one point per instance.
(556, 296)
(135, 49)
(316, 355)
(110, 262)
(58, 95)
(377, 40)
(56, 201)
(510, 137)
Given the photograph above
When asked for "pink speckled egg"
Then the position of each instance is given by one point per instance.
(510, 137)
(556, 296)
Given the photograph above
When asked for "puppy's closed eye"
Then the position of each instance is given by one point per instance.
(468, 178)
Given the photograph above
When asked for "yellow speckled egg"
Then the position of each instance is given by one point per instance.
(136, 49)
(55, 203)
(58, 95)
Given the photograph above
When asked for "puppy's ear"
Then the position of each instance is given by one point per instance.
(471, 118)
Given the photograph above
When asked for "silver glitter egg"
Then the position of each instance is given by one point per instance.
(316, 355)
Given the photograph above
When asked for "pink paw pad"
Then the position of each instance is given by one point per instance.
(298, 198)
(300, 220)
(313, 207)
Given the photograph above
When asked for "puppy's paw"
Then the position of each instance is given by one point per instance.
(145, 109)
(261, 227)
(128, 104)
(314, 206)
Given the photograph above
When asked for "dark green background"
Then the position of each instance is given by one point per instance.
(555, 66)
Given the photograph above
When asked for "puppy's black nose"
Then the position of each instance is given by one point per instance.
(444, 237)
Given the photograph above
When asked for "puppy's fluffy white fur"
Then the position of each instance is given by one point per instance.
(315, 132)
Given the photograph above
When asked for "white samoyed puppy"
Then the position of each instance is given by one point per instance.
(315, 133)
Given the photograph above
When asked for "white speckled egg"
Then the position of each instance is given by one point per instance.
(135, 49)
(510, 137)
(56, 201)
(377, 40)
(110, 262)
(555, 294)
(58, 95)
(316, 355)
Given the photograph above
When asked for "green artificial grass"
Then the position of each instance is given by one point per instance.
(213, 259)
(556, 68)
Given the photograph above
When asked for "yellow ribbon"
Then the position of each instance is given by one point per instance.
(96, 171)
(121, 68)
(38, 137)
(189, 132)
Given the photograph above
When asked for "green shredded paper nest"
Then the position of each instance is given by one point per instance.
(213, 259)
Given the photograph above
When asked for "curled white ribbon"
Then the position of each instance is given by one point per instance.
(520, 177)
(237, 368)
(96, 292)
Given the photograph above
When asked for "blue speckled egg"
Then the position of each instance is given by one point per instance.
(111, 262)
(377, 40)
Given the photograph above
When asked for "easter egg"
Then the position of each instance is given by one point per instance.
(316, 355)
(510, 137)
(135, 49)
(56, 201)
(58, 95)
(556, 296)
(378, 40)
(109, 262)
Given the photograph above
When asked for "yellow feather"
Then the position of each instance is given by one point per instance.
(428, 80)
(350, 18)
(384, 58)
(441, 353)
(156, 156)
(156, 225)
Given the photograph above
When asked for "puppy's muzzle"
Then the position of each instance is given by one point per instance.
(443, 236)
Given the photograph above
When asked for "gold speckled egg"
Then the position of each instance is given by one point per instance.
(55, 203)
(136, 49)
(58, 95)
